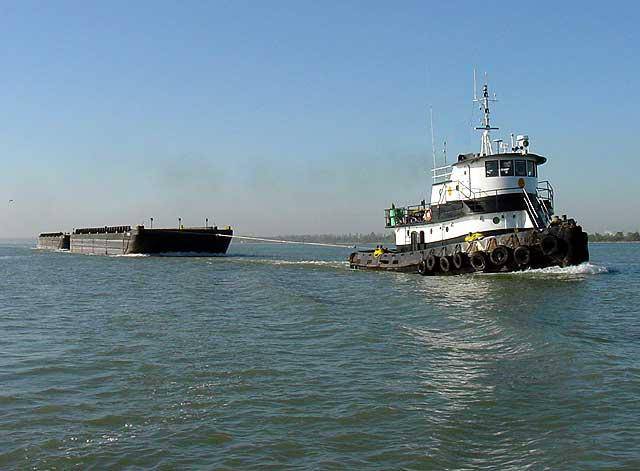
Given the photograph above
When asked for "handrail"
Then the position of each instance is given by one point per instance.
(441, 173)
(545, 210)
(535, 217)
(469, 189)
(415, 214)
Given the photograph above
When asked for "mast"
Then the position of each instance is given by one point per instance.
(485, 146)
(433, 142)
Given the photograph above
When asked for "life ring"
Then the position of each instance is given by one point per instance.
(428, 215)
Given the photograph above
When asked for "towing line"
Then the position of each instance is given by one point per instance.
(279, 241)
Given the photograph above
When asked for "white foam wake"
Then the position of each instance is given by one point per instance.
(586, 268)
(172, 254)
(326, 263)
(131, 255)
(331, 263)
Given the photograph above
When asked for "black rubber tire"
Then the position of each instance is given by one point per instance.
(457, 261)
(549, 245)
(478, 261)
(522, 256)
(431, 262)
(422, 268)
(499, 256)
(445, 264)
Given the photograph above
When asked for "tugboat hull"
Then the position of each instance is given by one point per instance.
(561, 244)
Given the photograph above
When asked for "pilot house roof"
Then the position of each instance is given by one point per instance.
(469, 158)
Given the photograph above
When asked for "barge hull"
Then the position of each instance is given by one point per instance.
(125, 240)
(53, 241)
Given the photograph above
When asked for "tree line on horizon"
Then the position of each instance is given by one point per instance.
(615, 237)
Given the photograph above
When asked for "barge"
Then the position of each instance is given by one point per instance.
(127, 240)
(54, 241)
(488, 212)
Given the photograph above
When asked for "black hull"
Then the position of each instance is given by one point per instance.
(124, 240)
(562, 244)
(160, 241)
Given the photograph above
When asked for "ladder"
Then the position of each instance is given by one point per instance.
(545, 209)
(537, 220)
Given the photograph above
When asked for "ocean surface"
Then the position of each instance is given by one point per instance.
(281, 357)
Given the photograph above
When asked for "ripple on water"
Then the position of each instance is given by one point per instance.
(285, 358)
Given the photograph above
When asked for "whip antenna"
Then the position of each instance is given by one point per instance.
(475, 87)
(433, 142)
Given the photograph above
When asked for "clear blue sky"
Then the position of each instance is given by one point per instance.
(302, 117)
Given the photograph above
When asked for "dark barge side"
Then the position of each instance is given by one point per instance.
(127, 240)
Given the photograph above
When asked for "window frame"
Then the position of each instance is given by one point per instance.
(532, 165)
(511, 167)
(524, 172)
(486, 169)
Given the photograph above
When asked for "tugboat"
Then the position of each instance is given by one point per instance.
(488, 212)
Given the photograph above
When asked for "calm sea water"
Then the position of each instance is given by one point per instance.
(281, 357)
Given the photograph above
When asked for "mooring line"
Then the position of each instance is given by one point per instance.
(279, 241)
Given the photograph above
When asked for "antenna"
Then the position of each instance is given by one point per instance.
(433, 142)
(485, 148)
(444, 151)
(475, 87)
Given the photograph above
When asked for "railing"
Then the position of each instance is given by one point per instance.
(534, 215)
(406, 216)
(103, 230)
(542, 202)
(442, 174)
(471, 194)
(545, 193)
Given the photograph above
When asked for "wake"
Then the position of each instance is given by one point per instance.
(586, 268)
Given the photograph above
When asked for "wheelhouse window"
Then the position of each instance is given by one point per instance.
(506, 168)
(521, 168)
(491, 168)
(531, 168)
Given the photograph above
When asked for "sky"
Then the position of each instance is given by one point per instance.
(299, 117)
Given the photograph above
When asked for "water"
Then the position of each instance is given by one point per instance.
(281, 357)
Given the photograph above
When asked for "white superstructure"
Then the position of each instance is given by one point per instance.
(496, 190)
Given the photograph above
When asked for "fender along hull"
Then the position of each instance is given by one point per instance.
(561, 244)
